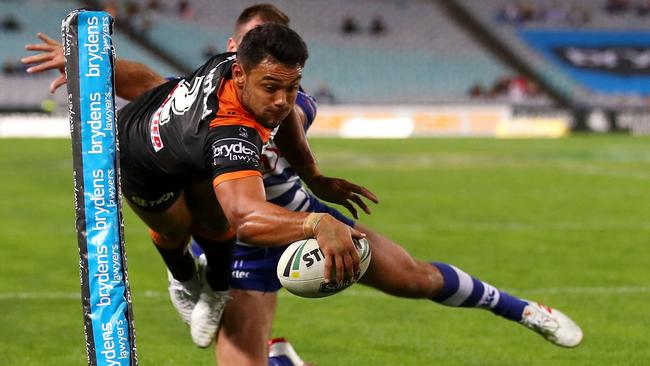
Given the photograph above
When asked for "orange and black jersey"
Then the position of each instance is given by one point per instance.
(187, 130)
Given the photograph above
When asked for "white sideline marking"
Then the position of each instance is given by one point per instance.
(64, 295)
(595, 170)
(361, 292)
(367, 292)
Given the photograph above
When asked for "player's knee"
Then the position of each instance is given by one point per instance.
(425, 280)
(415, 280)
(169, 239)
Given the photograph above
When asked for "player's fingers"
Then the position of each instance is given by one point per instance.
(340, 268)
(328, 268)
(46, 39)
(356, 199)
(357, 234)
(57, 83)
(35, 58)
(350, 208)
(369, 195)
(349, 266)
(44, 66)
(39, 47)
(356, 261)
(362, 191)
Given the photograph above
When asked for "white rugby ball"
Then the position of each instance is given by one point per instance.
(302, 265)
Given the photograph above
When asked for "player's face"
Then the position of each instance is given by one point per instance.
(269, 91)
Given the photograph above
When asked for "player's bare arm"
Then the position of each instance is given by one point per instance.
(293, 143)
(131, 78)
(256, 221)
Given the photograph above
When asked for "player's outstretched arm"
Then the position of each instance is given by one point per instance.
(264, 224)
(293, 143)
(131, 78)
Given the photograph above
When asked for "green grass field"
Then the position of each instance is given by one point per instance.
(565, 222)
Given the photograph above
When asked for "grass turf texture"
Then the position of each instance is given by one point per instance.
(563, 221)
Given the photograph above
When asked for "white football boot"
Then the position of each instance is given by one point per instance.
(206, 316)
(551, 324)
(184, 295)
(281, 353)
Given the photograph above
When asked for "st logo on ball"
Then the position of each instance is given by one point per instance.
(302, 265)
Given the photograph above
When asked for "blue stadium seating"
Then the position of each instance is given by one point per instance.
(40, 16)
(423, 57)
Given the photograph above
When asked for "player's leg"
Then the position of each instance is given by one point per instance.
(394, 271)
(249, 317)
(245, 328)
(170, 230)
(212, 232)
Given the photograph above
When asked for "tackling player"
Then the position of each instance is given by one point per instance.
(248, 317)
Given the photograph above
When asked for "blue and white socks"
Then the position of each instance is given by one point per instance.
(462, 290)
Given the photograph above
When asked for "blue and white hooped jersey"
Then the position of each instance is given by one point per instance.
(281, 183)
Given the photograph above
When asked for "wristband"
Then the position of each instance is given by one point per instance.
(311, 223)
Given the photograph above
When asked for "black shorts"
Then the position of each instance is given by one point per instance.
(148, 191)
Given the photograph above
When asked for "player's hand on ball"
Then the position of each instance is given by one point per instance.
(342, 192)
(49, 58)
(335, 240)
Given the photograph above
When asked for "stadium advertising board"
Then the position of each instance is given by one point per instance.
(636, 121)
(607, 62)
(33, 125)
(436, 121)
(380, 122)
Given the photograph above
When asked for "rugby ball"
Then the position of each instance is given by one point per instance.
(301, 267)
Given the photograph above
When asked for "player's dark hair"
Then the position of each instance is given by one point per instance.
(275, 41)
(267, 12)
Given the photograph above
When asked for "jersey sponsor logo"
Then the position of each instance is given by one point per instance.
(156, 140)
(153, 203)
(154, 127)
(240, 274)
(235, 150)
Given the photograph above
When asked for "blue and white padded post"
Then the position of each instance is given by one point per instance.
(105, 294)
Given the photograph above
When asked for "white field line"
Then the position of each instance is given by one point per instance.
(411, 161)
(10, 296)
(354, 292)
(367, 292)
(593, 170)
